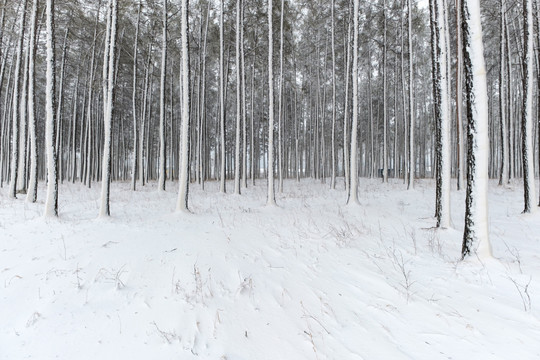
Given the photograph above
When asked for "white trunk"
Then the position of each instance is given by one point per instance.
(59, 109)
(353, 191)
(142, 126)
(271, 194)
(503, 176)
(238, 102)
(527, 111)
(108, 115)
(444, 216)
(162, 145)
(51, 200)
(15, 106)
(31, 195)
(280, 100)
(412, 116)
(134, 101)
(23, 122)
(252, 142)
(182, 203)
(346, 153)
(89, 105)
(476, 213)
(333, 177)
(244, 132)
(385, 147)
(222, 174)
(459, 100)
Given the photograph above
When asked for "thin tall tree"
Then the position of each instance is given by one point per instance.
(31, 195)
(475, 236)
(183, 191)
(162, 138)
(51, 200)
(527, 147)
(108, 98)
(271, 200)
(353, 188)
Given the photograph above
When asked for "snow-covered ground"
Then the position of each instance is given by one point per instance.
(311, 279)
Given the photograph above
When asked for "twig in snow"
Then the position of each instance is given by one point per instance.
(523, 291)
(515, 253)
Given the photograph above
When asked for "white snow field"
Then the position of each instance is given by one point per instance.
(236, 280)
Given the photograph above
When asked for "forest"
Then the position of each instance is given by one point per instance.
(225, 139)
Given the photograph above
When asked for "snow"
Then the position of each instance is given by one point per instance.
(311, 279)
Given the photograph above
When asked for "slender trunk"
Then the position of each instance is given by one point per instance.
(134, 100)
(459, 100)
(412, 159)
(162, 145)
(271, 200)
(51, 201)
(238, 102)
(333, 176)
(244, 131)
(15, 105)
(222, 186)
(526, 111)
(476, 217)
(346, 153)
(385, 145)
(353, 191)
(109, 107)
(31, 195)
(182, 204)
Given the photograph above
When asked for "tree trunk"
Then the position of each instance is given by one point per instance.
(526, 111)
(15, 105)
(271, 200)
(109, 86)
(162, 145)
(476, 216)
(31, 195)
(51, 201)
(182, 204)
(353, 190)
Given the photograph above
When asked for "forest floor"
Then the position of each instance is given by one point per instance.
(310, 279)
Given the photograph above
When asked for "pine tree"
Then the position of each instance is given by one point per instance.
(162, 139)
(31, 195)
(108, 101)
(475, 237)
(51, 200)
(526, 111)
(353, 188)
(182, 203)
(271, 200)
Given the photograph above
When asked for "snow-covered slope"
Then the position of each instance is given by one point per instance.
(311, 279)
